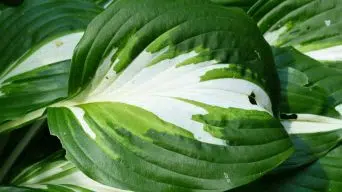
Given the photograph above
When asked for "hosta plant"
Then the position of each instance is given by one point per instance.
(172, 95)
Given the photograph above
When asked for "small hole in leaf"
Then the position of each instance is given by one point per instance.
(251, 98)
(288, 116)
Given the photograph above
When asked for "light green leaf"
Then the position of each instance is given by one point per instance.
(37, 42)
(182, 105)
(311, 96)
(55, 174)
(311, 26)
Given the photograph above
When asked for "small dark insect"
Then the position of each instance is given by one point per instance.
(288, 116)
(11, 2)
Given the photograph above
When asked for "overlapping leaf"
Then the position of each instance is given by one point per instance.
(32, 90)
(311, 26)
(38, 38)
(54, 174)
(35, 23)
(311, 100)
(167, 99)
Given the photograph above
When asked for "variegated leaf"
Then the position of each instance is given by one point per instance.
(55, 174)
(311, 26)
(310, 105)
(30, 90)
(167, 99)
(37, 42)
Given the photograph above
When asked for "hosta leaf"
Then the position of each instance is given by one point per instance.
(35, 27)
(33, 90)
(172, 100)
(324, 175)
(299, 73)
(55, 174)
(135, 156)
(311, 26)
(311, 100)
(145, 39)
(38, 38)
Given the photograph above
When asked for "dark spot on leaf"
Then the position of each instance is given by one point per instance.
(308, 84)
(288, 116)
(251, 98)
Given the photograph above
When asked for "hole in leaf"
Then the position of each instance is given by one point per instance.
(288, 116)
(251, 98)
